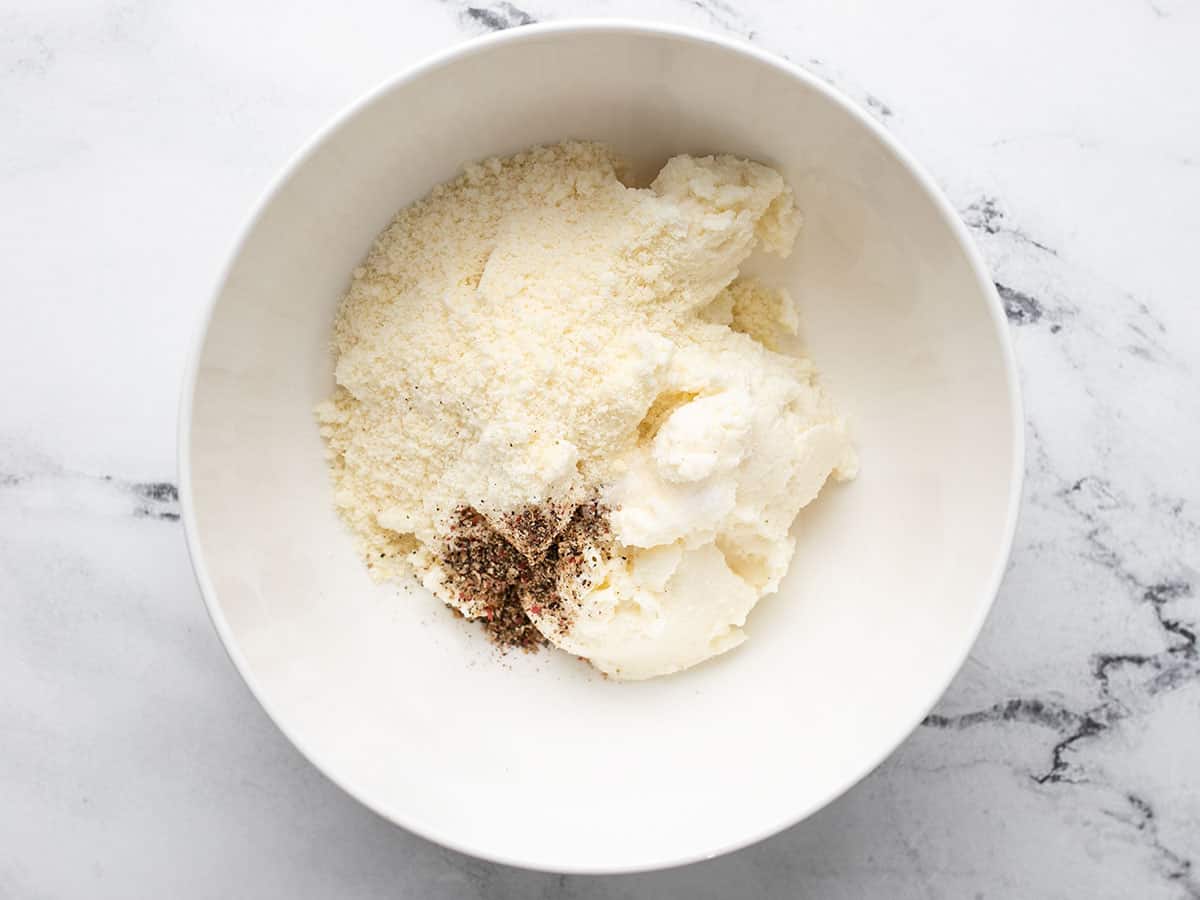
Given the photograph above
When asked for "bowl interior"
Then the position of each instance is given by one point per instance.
(537, 760)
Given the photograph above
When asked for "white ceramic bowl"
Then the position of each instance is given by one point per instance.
(537, 761)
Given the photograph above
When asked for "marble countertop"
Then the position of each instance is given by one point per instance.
(1063, 762)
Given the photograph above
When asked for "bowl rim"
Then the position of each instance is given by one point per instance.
(535, 32)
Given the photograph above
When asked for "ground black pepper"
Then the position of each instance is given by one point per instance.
(524, 568)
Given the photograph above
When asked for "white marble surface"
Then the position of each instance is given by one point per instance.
(1063, 762)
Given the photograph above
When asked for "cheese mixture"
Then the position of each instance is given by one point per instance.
(560, 406)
